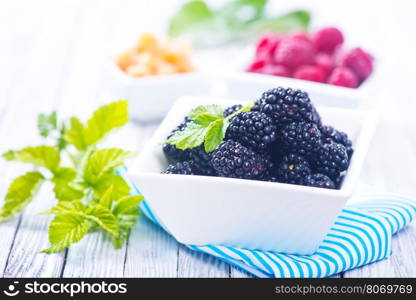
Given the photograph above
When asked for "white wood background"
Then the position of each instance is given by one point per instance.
(52, 56)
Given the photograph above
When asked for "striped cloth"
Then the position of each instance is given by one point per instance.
(361, 235)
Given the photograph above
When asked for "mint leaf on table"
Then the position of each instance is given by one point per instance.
(42, 156)
(90, 195)
(20, 193)
(66, 229)
(100, 162)
(104, 120)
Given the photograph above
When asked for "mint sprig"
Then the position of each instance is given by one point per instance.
(90, 194)
(208, 127)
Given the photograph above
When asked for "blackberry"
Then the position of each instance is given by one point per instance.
(252, 129)
(286, 105)
(232, 109)
(172, 153)
(330, 134)
(184, 168)
(292, 169)
(201, 161)
(302, 138)
(331, 159)
(231, 159)
(319, 180)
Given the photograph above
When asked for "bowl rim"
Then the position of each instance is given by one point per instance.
(362, 143)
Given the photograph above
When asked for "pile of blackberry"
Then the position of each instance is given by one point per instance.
(281, 139)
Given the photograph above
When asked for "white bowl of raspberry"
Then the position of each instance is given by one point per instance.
(255, 214)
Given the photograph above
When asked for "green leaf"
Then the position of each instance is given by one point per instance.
(103, 120)
(65, 188)
(192, 136)
(43, 156)
(119, 186)
(47, 123)
(127, 205)
(212, 109)
(20, 193)
(76, 207)
(66, 229)
(190, 14)
(103, 217)
(104, 161)
(239, 12)
(290, 22)
(215, 135)
(107, 198)
(205, 119)
(75, 135)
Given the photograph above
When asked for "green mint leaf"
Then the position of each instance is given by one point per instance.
(212, 109)
(192, 136)
(127, 206)
(239, 12)
(47, 123)
(106, 200)
(63, 207)
(66, 229)
(20, 193)
(43, 156)
(205, 119)
(290, 22)
(215, 135)
(103, 120)
(190, 14)
(104, 161)
(119, 187)
(75, 134)
(65, 188)
(103, 217)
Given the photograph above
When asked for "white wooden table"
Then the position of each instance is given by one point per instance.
(51, 54)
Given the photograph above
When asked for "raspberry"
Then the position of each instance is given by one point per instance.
(302, 138)
(276, 70)
(256, 65)
(184, 168)
(343, 76)
(232, 109)
(294, 52)
(325, 62)
(285, 105)
(330, 160)
(327, 39)
(292, 169)
(266, 46)
(319, 180)
(301, 36)
(252, 129)
(311, 73)
(231, 159)
(359, 61)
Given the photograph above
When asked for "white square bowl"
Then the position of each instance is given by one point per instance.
(202, 210)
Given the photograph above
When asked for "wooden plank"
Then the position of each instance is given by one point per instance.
(196, 264)
(151, 252)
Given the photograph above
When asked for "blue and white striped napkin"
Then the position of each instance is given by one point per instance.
(361, 235)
